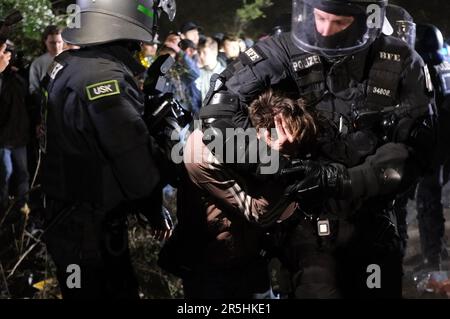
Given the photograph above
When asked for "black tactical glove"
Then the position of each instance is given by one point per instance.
(317, 180)
(382, 173)
(151, 212)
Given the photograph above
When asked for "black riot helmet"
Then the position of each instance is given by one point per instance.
(103, 21)
(430, 44)
(402, 24)
(364, 21)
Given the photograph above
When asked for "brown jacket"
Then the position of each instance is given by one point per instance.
(235, 208)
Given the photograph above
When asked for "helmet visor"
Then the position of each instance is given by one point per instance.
(336, 28)
(405, 31)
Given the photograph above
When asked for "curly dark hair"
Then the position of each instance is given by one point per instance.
(299, 121)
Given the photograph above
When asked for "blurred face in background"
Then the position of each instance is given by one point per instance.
(231, 49)
(208, 57)
(191, 52)
(149, 49)
(193, 35)
(54, 44)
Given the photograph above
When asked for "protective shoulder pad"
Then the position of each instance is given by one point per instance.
(252, 56)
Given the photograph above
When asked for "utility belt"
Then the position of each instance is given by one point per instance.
(323, 226)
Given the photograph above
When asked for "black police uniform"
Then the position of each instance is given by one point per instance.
(97, 167)
(350, 92)
(404, 28)
(430, 213)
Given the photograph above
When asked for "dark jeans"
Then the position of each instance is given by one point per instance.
(96, 241)
(14, 163)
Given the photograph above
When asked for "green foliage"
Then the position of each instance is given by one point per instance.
(250, 12)
(37, 15)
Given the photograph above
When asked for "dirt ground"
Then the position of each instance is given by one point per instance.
(37, 266)
(413, 254)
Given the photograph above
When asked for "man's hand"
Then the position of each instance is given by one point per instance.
(285, 142)
(160, 223)
(173, 44)
(5, 57)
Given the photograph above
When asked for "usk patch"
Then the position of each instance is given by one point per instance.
(102, 89)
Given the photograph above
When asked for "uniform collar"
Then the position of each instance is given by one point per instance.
(123, 55)
(355, 65)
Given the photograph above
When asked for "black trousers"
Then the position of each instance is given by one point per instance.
(97, 242)
(249, 281)
(341, 265)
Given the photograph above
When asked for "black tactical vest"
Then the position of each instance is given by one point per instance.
(356, 94)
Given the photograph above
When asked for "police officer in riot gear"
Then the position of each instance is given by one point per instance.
(430, 212)
(99, 159)
(373, 90)
(400, 24)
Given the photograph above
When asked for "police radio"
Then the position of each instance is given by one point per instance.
(383, 121)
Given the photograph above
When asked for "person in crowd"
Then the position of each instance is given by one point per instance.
(191, 31)
(187, 70)
(5, 56)
(222, 211)
(52, 45)
(231, 48)
(208, 60)
(14, 137)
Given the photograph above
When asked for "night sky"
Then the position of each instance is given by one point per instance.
(218, 15)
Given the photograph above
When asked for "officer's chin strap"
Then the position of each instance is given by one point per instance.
(132, 46)
(336, 60)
